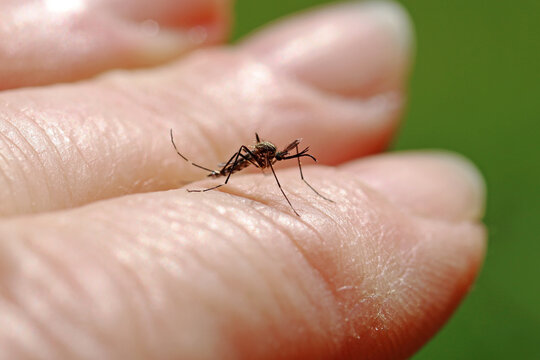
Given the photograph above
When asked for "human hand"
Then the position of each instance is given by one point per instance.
(88, 273)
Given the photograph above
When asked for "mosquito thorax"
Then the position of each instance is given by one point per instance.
(266, 147)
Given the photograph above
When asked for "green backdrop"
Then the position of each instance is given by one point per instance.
(475, 89)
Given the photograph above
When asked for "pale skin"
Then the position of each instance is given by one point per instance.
(105, 255)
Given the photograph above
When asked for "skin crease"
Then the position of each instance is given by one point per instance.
(102, 257)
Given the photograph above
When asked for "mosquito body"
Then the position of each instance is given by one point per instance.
(262, 155)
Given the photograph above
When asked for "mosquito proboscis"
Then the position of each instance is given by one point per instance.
(262, 155)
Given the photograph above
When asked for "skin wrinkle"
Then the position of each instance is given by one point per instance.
(9, 305)
(137, 286)
(260, 275)
(132, 98)
(289, 235)
(59, 162)
(94, 334)
(267, 105)
(207, 265)
(219, 108)
(232, 285)
(141, 308)
(273, 289)
(239, 130)
(187, 88)
(300, 250)
(48, 336)
(41, 321)
(324, 279)
(354, 309)
(76, 147)
(217, 234)
(183, 283)
(201, 132)
(3, 167)
(34, 125)
(237, 249)
(428, 281)
(46, 331)
(145, 107)
(19, 165)
(231, 126)
(129, 314)
(19, 344)
(208, 144)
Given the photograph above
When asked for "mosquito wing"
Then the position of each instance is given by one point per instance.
(291, 146)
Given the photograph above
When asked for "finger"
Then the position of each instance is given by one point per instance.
(213, 275)
(70, 145)
(44, 42)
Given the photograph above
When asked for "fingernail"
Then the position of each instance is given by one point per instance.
(163, 44)
(352, 49)
(174, 28)
(432, 184)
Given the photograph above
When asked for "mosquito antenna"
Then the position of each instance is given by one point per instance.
(176, 149)
(185, 158)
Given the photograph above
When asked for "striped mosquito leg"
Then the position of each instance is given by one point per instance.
(236, 157)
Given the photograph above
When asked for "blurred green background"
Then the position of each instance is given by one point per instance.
(475, 89)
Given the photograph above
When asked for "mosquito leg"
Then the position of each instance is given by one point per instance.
(229, 161)
(302, 177)
(253, 156)
(213, 172)
(252, 160)
(280, 188)
(235, 156)
(205, 190)
(235, 162)
(243, 147)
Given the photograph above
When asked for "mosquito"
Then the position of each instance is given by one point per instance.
(262, 155)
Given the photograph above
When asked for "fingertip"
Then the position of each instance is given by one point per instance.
(351, 49)
(433, 184)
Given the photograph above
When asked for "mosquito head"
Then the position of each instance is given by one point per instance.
(283, 154)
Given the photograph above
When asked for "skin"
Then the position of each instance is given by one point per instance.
(103, 253)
